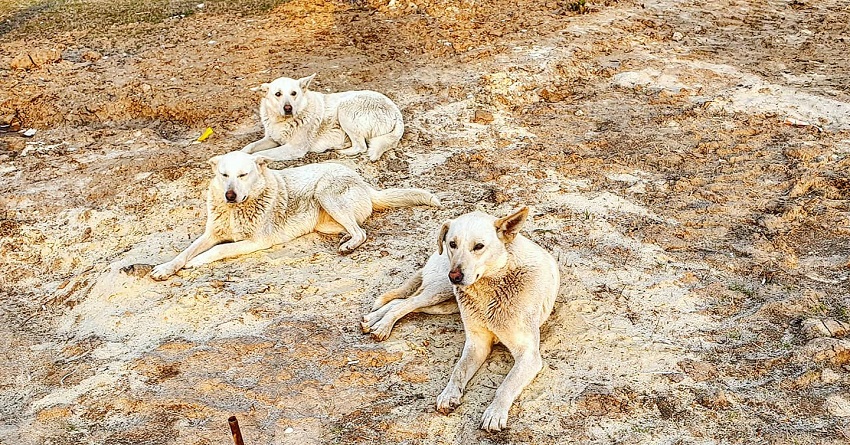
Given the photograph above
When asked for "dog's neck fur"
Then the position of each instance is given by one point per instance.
(491, 298)
(239, 221)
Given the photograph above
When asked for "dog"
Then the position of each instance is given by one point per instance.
(297, 120)
(251, 207)
(504, 286)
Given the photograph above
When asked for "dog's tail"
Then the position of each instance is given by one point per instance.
(380, 144)
(390, 198)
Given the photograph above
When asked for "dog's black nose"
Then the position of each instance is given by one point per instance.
(230, 195)
(287, 109)
(456, 276)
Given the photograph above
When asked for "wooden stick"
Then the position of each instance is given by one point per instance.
(234, 429)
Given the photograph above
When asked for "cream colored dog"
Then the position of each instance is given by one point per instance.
(251, 207)
(504, 285)
(297, 120)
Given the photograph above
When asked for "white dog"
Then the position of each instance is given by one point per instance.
(251, 207)
(505, 286)
(297, 121)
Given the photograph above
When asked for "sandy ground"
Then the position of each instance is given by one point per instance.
(687, 164)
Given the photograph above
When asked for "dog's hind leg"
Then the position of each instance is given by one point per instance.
(380, 327)
(358, 144)
(339, 208)
(331, 139)
(379, 145)
(406, 289)
(445, 308)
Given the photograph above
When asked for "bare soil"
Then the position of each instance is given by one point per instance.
(687, 163)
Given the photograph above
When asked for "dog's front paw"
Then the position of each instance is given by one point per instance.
(495, 417)
(163, 271)
(381, 330)
(449, 399)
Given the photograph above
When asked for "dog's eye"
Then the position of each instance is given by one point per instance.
(453, 244)
(225, 175)
(277, 94)
(293, 94)
(478, 246)
(243, 175)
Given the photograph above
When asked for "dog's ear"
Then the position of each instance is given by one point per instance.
(304, 82)
(441, 238)
(265, 87)
(509, 226)
(262, 161)
(213, 162)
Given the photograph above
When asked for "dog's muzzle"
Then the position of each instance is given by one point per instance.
(287, 109)
(456, 276)
(230, 196)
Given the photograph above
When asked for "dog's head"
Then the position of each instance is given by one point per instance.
(238, 176)
(476, 244)
(288, 96)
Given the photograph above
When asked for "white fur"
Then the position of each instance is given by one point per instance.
(274, 206)
(318, 122)
(505, 289)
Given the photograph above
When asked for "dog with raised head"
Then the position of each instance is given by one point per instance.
(251, 207)
(298, 120)
(504, 286)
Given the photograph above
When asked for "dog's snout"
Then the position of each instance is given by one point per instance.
(456, 276)
(287, 109)
(230, 195)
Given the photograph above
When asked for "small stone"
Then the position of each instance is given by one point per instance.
(91, 56)
(579, 113)
(699, 371)
(829, 376)
(146, 88)
(35, 59)
(837, 405)
(824, 327)
(669, 407)
(677, 36)
(137, 270)
(288, 430)
(482, 117)
(598, 400)
(714, 399)
(833, 351)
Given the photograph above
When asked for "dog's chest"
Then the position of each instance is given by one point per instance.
(239, 222)
(280, 130)
(494, 300)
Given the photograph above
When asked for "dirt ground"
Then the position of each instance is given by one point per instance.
(687, 162)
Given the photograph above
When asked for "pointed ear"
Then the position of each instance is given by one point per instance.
(262, 161)
(508, 227)
(441, 237)
(304, 82)
(265, 87)
(213, 161)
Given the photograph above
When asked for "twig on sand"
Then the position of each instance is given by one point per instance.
(234, 429)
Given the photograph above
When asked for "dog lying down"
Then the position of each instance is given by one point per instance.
(297, 120)
(504, 286)
(251, 207)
